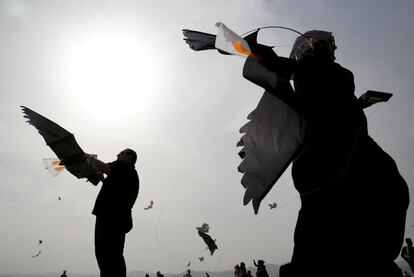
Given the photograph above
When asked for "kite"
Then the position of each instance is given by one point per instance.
(273, 205)
(37, 255)
(59, 198)
(188, 264)
(149, 206)
(204, 228)
(201, 259)
(40, 242)
(274, 135)
(211, 244)
(202, 232)
(64, 145)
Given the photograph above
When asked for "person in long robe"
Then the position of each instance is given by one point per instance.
(353, 198)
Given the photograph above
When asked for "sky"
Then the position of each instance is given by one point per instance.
(117, 74)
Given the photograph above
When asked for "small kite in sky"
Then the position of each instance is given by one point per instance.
(211, 244)
(188, 264)
(37, 255)
(40, 242)
(202, 232)
(64, 145)
(149, 206)
(59, 198)
(273, 205)
(201, 259)
(204, 228)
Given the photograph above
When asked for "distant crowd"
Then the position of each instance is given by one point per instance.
(240, 270)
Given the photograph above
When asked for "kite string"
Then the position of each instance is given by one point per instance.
(274, 27)
(68, 212)
(157, 236)
(247, 229)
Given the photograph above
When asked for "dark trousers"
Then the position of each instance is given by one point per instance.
(109, 248)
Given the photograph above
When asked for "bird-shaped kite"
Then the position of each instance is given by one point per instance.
(275, 132)
(40, 242)
(149, 206)
(64, 145)
(37, 255)
(202, 232)
(211, 244)
(273, 205)
(201, 259)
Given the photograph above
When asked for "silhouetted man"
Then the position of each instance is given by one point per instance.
(407, 253)
(113, 211)
(261, 268)
(188, 274)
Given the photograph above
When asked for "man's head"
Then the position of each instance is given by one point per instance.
(127, 156)
(320, 43)
(409, 241)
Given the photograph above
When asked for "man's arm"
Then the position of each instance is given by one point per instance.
(98, 165)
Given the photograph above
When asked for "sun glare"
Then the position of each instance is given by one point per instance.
(111, 73)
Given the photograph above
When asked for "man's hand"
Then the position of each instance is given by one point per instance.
(98, 165)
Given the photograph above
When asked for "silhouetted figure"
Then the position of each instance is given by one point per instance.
(243, 269)
(207, 275)
(237, 271)
(249, 273)
(64, 274)
(188, 274)
(407, 253)
(159, 274)
(113, 211)
(261, 268)
(146, 275)
(348, 185)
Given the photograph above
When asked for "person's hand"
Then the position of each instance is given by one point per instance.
(90, 157)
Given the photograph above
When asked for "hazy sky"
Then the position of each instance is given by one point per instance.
(117, 74)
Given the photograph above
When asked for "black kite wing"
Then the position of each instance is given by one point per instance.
(211, 244)
(64, 145)
(199, 41)
(272, 138)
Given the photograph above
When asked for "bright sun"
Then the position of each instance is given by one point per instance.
(110, 72)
